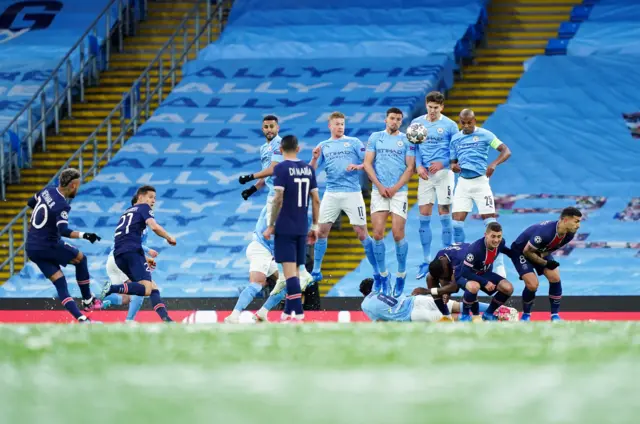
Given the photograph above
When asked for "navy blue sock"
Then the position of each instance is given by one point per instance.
(555, 294)
(158, 305)
(135, 289)
(475, 307)
(468, 300)
(293, 301)
(65, 297)
(442, 307)
(528, 297)
(497, 301)
(83, 278)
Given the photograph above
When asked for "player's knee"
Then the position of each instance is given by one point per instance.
(506, 287)
(458, 216)
(473, 286)
(378, 233)
(398, 235)
(361, 231)
(56, 276)
(148, 287)
(125, 299)
(79, 259)
(444, 209)
(323, 230)
(532, 284)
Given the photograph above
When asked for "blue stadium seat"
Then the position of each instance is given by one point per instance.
(556, 46)
(580, 13)
(568, 29)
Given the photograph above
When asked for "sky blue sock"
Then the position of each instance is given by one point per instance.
(426, 236)
(402, 248)
(135, 303)
(482, 306)
(274, 300)
(488, 221)
(247, 296)
(381, 255)
(115, 299)
(447, 229)
(458, 231)
(318, 254)
(367, 243)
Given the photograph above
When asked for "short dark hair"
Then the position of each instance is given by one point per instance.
(495, 227)
(435, 97)
(571, 211)
(366, 286)
(144, 190)
(436, 269)
(134, 200)
(289, 143)
(394, 110)
(270, 118)
(67, 176)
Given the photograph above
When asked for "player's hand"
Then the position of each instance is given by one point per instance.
(152, 263)
(353, 167)
(455, 167)
(551, 264)
(315, 154)
(92, 237)
(490, 170)
(382, 190)
(248, 192)
(445, 298)
(391, 191)
(312, 237)
(422, 173)
(171, 240)
(268, 232)
(153, 253)
(435, 167)
(490, 286)
(243, 179)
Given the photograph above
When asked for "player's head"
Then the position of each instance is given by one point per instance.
(146, 194)
(467, 121)
(434, 102)
(270, 127)
(134, 199)
(493, 235)
(289, 144)
(439, 268)
(366, 286)
(570, 219)
(336, 124)
(69, 182)
(393, 120)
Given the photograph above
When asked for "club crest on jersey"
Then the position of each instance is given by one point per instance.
(64, 215)
(470, 257)
(537, 239)
(346, 144)
(151, 212)
(400, 144)
(476, 138)
(440, 130)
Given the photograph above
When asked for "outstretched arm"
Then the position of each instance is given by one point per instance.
(161, 232)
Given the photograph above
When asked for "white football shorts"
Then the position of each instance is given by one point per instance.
(473, 190)
(351, 203)
(398, 204)
(426, 310)
(438, 186)
(260, 259)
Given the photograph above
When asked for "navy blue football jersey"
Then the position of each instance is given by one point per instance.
(50, 210)
(542, 236)
(297, 179)
(455, 253)
(479, 259)
(128, 235)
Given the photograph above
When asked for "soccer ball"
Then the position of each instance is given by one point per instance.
(416, 133)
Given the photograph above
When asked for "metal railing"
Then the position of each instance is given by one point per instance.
(131, 109)
(67, 82)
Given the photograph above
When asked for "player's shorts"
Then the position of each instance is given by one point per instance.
(438, 186)
(425, 309)
(351, 203)
(487, 277)
(398, 204)
(260, 259)
(116, 276)
(524, 266)
(290, 248)
(50, 260)
(470, 190)
(134, 265)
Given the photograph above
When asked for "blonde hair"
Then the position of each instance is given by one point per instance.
(335, 115)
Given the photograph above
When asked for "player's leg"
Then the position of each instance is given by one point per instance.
(287, 250)
(426, 199)
(503, 291)
(462, 205)
(353, 205)
(399, 209)
(484, 199)
(444, 191)
(555, 291)
(135, 303)
(68, 254)
(529, 275)
(470, 301)
(329, 212)
(380, 209)
(259, 263)
(424, 310)
(116, 276)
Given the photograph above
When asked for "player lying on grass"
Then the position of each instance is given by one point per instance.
(419, 307)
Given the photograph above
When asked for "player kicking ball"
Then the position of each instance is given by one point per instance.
(45, 248)
(129, 255)
(531, 256)
(294, 183)
(390, 162)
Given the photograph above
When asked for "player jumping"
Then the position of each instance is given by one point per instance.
(342, 157)
(531, 255)
(294, 181)
(129, 255)
(469, 153)
(436, 179)
(45, 248)
(389, 163)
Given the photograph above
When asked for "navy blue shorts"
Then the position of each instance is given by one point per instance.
(290, 248)
(524, 266)
(482, 279)
(50, 260)
(134, 265)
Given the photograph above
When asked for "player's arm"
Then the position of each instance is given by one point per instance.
(371, 173)
(161, 232)
(410, 162)
(504, 249)
(63, 228)
(505, 153)
(317, 158)
(32, 201)
(253, 189)
(276, 206)
(453, 158)
(534, 256)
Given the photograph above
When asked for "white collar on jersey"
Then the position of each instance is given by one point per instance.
(58, 190)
